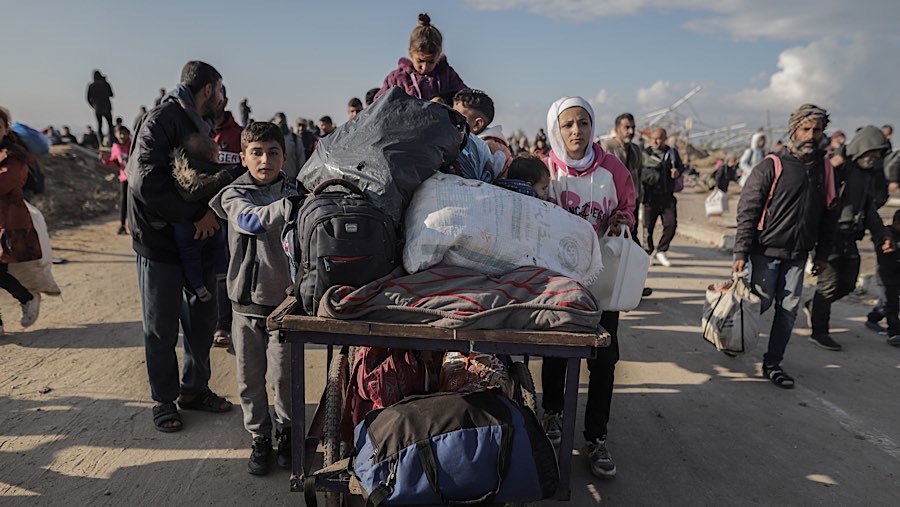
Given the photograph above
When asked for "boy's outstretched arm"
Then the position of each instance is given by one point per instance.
(249, 218)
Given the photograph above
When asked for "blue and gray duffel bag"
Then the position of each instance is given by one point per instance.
(452, 448)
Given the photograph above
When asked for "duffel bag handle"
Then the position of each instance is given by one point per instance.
(339, 182)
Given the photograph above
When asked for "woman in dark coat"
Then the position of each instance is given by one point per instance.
(18, 239)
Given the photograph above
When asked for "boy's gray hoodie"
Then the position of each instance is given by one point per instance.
(259, 271)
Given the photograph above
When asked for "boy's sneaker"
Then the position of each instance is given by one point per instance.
(807, 312)
(874, 326)
(893, 340)
(283, 452)
(31, 309)
(662, 259)
(260, 462)
(825, 341)
(602, 464)
(203, 294)
(552, 423)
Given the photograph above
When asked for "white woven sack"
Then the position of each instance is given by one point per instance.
(716, 203)
(625, 265)
(476, 225)
(37, 275)
(731, 316)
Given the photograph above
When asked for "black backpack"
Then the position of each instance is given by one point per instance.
(343, 239)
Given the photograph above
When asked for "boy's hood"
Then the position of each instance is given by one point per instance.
(868, 138)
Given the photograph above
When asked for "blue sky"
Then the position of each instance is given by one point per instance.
(308, 58)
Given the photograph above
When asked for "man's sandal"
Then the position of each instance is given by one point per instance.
(207, 401)
(778, 376)
(221, 339)
(165, 412)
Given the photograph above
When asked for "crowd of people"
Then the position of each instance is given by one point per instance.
(804, 196)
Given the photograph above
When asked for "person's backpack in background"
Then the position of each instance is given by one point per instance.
(343, 239)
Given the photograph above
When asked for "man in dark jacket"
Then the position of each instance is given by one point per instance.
(662, 166)
(99, 94)
(153, 205)
(857, 210)
(779, 222)
(631, 155)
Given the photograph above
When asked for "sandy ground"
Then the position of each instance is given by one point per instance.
(689, 425)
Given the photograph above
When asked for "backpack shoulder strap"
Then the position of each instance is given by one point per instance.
(778, 169)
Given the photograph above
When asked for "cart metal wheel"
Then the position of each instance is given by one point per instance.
(524, 393)
(338, 374)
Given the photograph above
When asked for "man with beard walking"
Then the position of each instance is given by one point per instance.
(153, 205)
(786, 209)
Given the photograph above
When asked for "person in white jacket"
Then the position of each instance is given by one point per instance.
(752, 156)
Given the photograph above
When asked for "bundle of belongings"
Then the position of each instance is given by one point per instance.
(404, 224)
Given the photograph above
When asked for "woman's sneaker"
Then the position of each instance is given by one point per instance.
(602, 464)
(31, 309)
(552, 423)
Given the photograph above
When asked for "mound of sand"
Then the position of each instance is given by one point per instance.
(78, 187)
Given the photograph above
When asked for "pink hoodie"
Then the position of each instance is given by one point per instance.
(118, 157)
(603, 190)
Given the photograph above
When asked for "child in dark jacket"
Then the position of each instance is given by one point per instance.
(889, 271)
(198, 176)
(258, 277)
(426, 73)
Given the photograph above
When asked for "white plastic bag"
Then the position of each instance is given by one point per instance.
(476, 225)
(731, 316)
(36, 275)
(716, 203)
(625, 265)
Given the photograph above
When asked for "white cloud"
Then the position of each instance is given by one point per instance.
(656, 95)
(847, 57)
(602, 97)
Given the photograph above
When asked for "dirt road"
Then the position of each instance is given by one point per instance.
(690, 426)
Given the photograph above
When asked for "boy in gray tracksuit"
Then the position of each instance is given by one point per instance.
(258, 276)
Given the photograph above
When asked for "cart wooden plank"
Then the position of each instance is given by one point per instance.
(283, 319)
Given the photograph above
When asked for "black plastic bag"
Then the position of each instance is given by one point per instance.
(389, 149)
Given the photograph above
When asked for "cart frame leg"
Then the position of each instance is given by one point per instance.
(298, 416)
(567, 439)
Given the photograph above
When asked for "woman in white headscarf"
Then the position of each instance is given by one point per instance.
(595, 185)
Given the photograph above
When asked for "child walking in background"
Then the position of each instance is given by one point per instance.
(426, 73)
(258, 275)
(118, 158)
(595, 185)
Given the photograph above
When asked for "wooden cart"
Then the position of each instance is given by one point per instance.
(299, 330)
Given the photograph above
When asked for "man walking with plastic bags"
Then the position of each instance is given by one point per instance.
(786, 209)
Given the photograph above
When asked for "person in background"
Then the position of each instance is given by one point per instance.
(294, 150)
(353, 108)
(137, 119)
(857, 212)
(326, 126)
(889, 271)
(370, 96)
(67, 137)
(595, 185)
(52, 135)
(306, 136)
(89, 138)
(630, 154)
(778, 225)
(836, 143)
(20, 243)
(160, 97)
(662, 166)
(99, 93)
(118, 158)
(752, 156)
(245, 111)
(426, 73)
